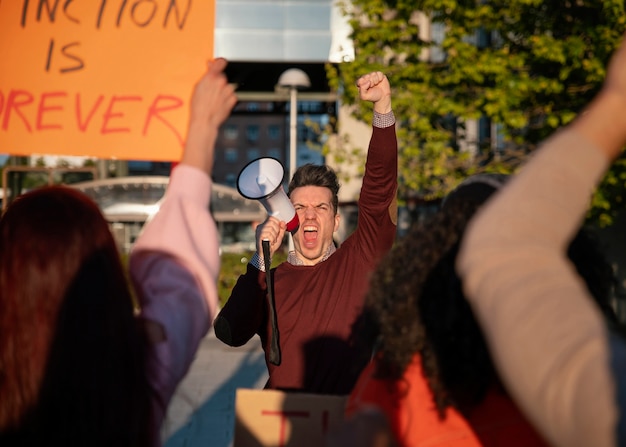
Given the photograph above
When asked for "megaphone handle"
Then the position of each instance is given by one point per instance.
(274, 341)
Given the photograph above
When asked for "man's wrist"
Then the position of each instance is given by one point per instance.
(257, 261)
(383, 120)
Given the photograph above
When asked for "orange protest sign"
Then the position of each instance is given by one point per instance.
(100, 78)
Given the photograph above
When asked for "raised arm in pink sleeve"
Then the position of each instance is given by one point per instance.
(174, 266)
(548, 340)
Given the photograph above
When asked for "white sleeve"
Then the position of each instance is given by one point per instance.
(184, 229)
(174, 267)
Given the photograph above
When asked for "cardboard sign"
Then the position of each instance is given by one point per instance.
(268, 418)
(101, 78)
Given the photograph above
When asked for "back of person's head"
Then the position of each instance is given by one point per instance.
(316, 175)
(72, 362)
(416, 304)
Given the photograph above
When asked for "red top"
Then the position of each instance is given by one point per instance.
(412, 414)
(317, 305)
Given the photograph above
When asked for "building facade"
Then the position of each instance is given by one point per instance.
(261, 40)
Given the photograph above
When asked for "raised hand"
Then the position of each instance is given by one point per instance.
(375, 87)
(272, 230)
(212, 101)
(603, 122)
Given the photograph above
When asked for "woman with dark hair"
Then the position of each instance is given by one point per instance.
(432, 374)
(72, 356)
(558, 358)
(80, 365)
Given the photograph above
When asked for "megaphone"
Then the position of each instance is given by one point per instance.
(262, 180)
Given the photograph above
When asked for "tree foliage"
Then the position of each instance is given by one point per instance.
(233, 265)
(520, 68)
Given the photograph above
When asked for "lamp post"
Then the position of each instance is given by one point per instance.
(293, 79)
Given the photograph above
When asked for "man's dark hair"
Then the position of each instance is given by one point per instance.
(316, 175)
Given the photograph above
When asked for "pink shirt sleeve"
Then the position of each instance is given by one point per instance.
(174, 266)
(549, 341)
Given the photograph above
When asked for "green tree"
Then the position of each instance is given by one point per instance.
(35, 178)
(233, 265)
(523, 67)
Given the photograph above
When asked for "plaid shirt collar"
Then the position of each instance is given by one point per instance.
(293, 259)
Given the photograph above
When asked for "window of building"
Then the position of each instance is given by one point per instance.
(437, 35)
(307, 134)
(253, 154)
(274, 153)
(311, 107)
(231, 132)
(230, 155)
(273, 131)
(252, 132)
(231, 180)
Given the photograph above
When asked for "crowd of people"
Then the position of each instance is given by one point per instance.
(490, 323)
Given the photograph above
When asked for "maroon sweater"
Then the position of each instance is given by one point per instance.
(316, 306)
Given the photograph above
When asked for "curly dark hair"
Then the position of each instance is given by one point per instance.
(316, 175)
(416, 304)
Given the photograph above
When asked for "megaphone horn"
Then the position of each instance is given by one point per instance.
(262, 180)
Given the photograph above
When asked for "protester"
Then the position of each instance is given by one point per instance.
(556, 355)
(432, 374)
(72, 357)
(79, 364)
(319, 290)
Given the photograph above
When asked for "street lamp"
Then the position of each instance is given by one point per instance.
(293, 79)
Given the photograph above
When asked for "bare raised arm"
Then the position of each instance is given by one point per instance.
(211, 103)
(604, 121)
(375, 87)
(548, 339)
